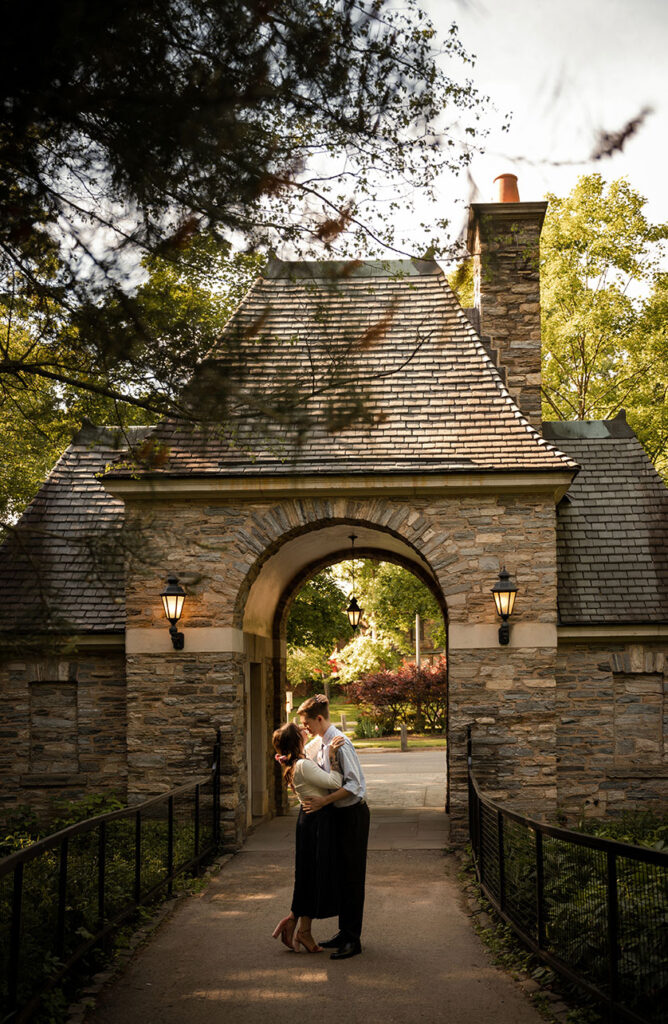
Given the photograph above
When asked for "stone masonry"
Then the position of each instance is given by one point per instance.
(504, 242)
(175, 700)
(612, 727)
(64, 723)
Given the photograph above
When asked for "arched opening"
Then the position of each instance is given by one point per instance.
(277, 578)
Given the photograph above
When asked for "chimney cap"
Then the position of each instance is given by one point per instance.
(506, 188)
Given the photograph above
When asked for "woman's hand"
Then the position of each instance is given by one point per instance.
(337, 742)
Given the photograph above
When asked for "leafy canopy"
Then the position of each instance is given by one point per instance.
(604, 300)
(130, 129)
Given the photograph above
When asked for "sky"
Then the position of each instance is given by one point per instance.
(565, 69)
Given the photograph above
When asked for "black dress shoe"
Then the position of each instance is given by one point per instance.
(334, 943)
(348, 949)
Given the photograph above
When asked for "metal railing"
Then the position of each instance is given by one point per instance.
(64, 895)
(594, 910)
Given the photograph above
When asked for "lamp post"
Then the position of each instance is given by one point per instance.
(504, 591)
(353, 610)
(173, 597)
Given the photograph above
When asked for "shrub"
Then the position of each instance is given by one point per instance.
(408, 694)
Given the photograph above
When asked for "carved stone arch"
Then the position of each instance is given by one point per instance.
(273, 529)
(377, 554)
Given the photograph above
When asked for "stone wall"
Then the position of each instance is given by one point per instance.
(63, 728)
(504, 243)
(612, 728)
(175, 699)
(175, 706)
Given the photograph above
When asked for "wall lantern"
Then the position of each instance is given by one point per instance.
(353, 610)
(504, 591)
(173, 597)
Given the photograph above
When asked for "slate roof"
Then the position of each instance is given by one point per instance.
(612, 528)
(62, 567)
(318, 335)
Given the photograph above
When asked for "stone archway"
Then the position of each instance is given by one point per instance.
(247, 551)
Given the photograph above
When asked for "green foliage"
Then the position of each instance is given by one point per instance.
(266, 123)
(40, 883)
(604, 300)
(461, 282)
(391, 596)
(365, 654)
(157, 335)
(308, 666)
(318, 614)
(640, 828)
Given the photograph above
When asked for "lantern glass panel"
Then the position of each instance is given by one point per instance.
(505, 602)
(173, 605)
(354, 613)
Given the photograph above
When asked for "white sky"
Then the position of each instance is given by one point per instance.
(565, 69)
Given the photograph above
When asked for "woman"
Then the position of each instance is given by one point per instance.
(315, 891)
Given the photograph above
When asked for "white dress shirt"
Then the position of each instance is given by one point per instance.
(353, 776)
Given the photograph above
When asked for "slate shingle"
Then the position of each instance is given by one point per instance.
(62, 568)
(438, 402)
(612, 528)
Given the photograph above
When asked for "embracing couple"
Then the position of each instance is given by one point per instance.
(332, 830)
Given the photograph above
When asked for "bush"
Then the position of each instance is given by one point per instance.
(370, 726)
(410, 694)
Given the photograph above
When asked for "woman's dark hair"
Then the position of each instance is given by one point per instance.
(289, 743)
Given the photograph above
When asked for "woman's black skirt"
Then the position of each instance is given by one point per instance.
(316, 883)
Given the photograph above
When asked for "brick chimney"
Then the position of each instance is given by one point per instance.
(503, 239)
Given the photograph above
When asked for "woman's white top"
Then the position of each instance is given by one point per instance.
(309, 780)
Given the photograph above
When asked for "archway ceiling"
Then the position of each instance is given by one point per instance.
(296, 555)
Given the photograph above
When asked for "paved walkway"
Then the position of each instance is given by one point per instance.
(213, 960)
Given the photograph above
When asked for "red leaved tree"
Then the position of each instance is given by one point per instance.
(404, 694)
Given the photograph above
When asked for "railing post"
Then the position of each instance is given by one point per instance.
(15, 938)
(481, 844)
(469, 782)
(197, 821)
(502, 862)
(540, 890)
(62, 899)
(613, 926)
(101, 869)
(170, 845)
(216, 787)
(137, 857)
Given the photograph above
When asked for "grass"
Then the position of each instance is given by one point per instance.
(417, 742)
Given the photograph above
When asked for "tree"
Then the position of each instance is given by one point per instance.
(391, 596)
(603, 299)
(129, 129)
(365, 654)
(318, 616)
(604, 305)
(183, 303)
(307, 666)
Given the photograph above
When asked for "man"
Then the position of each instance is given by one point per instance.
(351, 825)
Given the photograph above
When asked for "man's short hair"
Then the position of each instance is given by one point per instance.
(314, 706)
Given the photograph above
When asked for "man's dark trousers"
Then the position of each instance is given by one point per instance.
(352, 837)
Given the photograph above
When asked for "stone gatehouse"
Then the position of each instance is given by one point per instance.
(447, 471)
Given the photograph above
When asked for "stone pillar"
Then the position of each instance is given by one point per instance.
(503, 239)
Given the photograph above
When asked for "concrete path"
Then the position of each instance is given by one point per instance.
(414, 778)
(213, 960)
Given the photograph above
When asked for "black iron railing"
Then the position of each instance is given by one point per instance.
(595, 910)
(65, 894)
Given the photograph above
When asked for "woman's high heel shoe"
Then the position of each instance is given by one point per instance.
(286, 933)
(306, 940)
